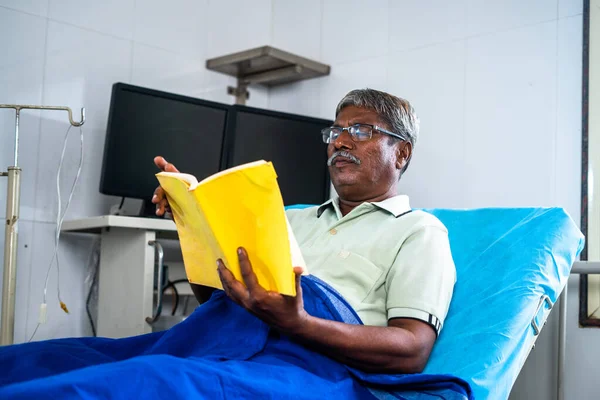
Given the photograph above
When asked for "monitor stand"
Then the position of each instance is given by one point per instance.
(148, 210)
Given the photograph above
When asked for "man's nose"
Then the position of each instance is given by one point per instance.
(343, 141)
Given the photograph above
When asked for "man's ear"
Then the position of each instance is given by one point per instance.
(403, 154)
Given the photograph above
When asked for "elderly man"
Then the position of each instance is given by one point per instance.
(377, 261)
(391, 264)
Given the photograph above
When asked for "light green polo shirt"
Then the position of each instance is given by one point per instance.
(386, 260)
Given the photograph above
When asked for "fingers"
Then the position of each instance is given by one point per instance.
(160, 162)
(232, 287)
(159, 195)
(164, 165)
(247, 272)
(170, 168)
(160, 199)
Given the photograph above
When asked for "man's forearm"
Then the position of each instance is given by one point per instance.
(371, 348)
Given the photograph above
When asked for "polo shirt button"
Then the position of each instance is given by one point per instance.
(333, 231)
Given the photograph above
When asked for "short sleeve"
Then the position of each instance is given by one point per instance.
(421, 280)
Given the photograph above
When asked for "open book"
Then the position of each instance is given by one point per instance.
(241, 206)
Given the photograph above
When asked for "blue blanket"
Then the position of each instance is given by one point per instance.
(219, 352)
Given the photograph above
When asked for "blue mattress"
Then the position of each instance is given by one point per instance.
(506, 260)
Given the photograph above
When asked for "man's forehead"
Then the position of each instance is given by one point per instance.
(351, 115)
(359, 115)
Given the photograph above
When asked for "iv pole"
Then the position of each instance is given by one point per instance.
(7, 323)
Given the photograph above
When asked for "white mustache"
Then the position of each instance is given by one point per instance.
(345, 154)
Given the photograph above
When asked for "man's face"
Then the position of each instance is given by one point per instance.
(379, 167)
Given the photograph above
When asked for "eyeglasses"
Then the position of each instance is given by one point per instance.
(358, 132)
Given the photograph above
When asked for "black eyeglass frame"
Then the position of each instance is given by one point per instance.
(328, 132)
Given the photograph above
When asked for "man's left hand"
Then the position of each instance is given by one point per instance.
(286, 313)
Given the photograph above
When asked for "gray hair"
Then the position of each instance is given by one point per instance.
(394, 111)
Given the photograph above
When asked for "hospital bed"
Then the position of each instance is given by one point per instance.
(512, 265)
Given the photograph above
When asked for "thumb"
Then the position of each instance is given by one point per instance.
(298, 271)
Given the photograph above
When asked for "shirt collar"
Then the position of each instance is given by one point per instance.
(396, 205)
(326, 205)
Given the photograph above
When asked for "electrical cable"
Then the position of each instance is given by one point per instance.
(171, 286)
(173, 283)
(59, 221)
(95, 261)
(176, 281)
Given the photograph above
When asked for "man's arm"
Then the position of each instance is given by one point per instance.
(401, 347)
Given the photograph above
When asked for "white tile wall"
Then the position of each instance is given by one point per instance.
(354, 30)
(493, 16)
(297, 27)
(259, 97)
(235, 25)
(31, 33)
(74, 253)
(417, 23)
(568, 116)
(177, 26)
(24, 254)
(306, 100)
(217, 94)
(567, 8)
(29, 130)
(22, 69)
(112, 17)
(167, 71)
(81, 69)
(370, 72)
(437, 172)
(510, 117)
(36, 7)
(215, 80)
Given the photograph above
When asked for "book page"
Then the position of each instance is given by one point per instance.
(187, 178)
(297, 258)
(230, 170)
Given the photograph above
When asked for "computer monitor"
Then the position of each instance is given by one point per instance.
(144, 123)
(292, 142)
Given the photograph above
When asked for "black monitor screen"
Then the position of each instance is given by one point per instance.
(293, 143)
(145, 123)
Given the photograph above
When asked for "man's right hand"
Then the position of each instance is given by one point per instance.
(159, 198)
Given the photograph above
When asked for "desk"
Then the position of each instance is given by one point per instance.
(126, 274)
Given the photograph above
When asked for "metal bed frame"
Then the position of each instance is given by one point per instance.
(579, 268)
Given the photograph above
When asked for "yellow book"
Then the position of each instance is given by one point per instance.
(241, 206)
